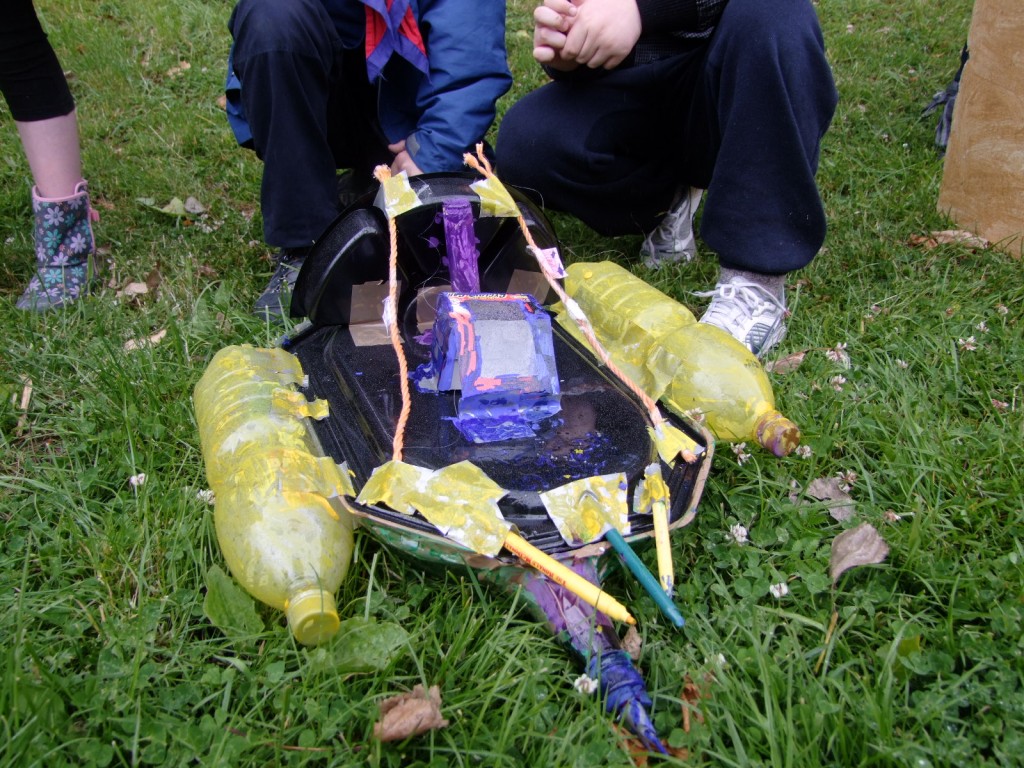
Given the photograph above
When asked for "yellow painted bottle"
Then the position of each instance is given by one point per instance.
(286, 539)
(689, 366)
(282, 530)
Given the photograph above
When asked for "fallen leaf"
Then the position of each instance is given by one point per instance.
(828, 489)
(193, 206)
(149, 341)
(175, 207)
(26, 393)
(154, 278)
(640, 753)
(26, 398)
(205, 270)
(182, 67)
(410, 714)
(632, 643)
(786, 364)
(222, 101)
(132, 289)
(947, 236)
(862, 545)
(692, 695)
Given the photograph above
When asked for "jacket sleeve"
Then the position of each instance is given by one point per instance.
(469, 72)
(691, 18)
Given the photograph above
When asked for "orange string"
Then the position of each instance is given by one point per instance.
(481, 165)
(382, 173)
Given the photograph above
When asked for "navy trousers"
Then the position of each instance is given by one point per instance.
(310, 109)
(741, 115)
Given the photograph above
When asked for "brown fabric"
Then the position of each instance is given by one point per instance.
(983, 179)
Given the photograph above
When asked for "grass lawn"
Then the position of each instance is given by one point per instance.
(107, 654)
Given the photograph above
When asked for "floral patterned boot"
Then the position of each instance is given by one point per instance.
(64, 250)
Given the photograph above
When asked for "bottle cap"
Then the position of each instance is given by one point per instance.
(312, 616)
(777, 434)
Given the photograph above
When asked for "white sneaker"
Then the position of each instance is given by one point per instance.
(748, 312)
(672, 241)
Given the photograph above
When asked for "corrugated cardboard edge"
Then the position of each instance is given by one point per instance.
(983, 179)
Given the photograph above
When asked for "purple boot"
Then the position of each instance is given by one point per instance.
(64, 250)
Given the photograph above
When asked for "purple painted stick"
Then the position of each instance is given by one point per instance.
(460, 240)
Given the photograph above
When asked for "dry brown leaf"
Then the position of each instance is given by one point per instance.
(862, 545)
(632, 643)
(132, 289)
(947, 236)
(410, 714)
(222, 101)
(828, 489)
(640, 754)
(193, 206)
(786, 364)
(150, 341)
(183, 66)
(154, 278)
(691, 696)
(26, 398)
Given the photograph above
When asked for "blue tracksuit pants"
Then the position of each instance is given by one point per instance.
(740, 115)
(310, 110)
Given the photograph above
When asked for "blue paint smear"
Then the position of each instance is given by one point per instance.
(473, 339)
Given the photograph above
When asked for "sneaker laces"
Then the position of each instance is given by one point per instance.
(747, 311)
(728, 298)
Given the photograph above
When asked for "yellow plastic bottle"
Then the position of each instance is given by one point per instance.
(283, 533)
(687, 365)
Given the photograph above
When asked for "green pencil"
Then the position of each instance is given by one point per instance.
(645, 577)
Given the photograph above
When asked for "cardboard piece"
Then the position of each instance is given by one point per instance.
(983, 179)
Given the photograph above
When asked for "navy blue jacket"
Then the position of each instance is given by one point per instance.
(442, 115)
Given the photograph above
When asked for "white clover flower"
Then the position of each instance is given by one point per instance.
(738, 534)
(1000, 405)
(847, 479)
(902, 363)
(779, 591)
(206, 496)
(804, 451)
(585, 685)
(837, 383)
(982, 327)
(1002, 309)
(740, 450)
(891, 517)
(838, 354)
(968, 345)
(137, 480)
(717, 660)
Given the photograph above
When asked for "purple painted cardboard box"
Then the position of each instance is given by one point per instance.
(497, 349)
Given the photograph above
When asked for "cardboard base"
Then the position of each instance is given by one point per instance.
(983, 178)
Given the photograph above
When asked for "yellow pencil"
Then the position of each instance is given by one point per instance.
(568, 578)
(666, 572)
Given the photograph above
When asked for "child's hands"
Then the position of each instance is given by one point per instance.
(552, 21)
(602, 33)
(403, 160)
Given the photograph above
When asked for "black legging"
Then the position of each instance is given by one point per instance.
(31, 78)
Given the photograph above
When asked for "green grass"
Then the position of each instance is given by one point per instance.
(107, 656)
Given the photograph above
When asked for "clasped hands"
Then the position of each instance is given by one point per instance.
(592, 33)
